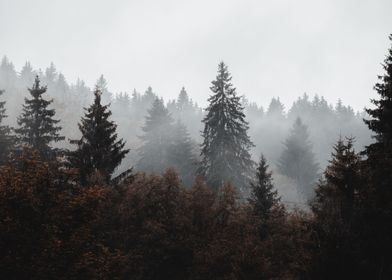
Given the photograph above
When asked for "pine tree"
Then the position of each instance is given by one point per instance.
(181, 156)
(27, 74)
(37, 126)
(297, 160)
(342, 180)
(225, 148)
(5, 133)
(276, 109)
(336, 215)
(157, 139)
(379, 166)
(263, 197)
(98, 149)
(102, 84)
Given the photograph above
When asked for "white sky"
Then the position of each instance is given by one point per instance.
(273, 48)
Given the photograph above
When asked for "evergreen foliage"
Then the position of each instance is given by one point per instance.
(297, 160)
(38, 128)
(263, 197)
(6, 140)
(378, 207)
(98, 149)
(157, 139)
(336, 215)
(226, 144)
(181, 155)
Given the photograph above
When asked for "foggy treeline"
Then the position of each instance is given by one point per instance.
(229, 191)
(269, 127)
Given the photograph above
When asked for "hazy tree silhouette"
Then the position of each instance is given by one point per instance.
(226, 144)
(99, 149)
(297, 160)
(38, 128)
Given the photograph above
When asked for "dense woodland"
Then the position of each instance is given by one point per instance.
(96, 185)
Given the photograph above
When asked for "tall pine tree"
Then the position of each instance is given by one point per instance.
(38, 129)
(98, 149)
(225, 148)
(378, 207)
(5, 133)
(297, 160)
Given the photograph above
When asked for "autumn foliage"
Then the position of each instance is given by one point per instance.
(147, 227)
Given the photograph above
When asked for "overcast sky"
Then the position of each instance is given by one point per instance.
(273, 48)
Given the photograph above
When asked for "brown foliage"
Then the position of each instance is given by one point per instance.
(149, 227)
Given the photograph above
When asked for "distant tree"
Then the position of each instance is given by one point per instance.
(343, 113)
(276, 109)
(37, 126)
(186, 111)
(181, 155)
(102, 85)
(6, 140)
(27, 74)
(225, 148)
(98, 150)
(157, 139)
(8, 74)
(297, 160)
(378, 208)
(263, 197)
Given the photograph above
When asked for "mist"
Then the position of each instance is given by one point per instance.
(268, 127)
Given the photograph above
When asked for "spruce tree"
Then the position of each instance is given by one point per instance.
(38, 129)
(225, 148)
(181, 156)
(156, 140)
(341, 182)
(5, 133)
(336, 215)
(263, 197)
(297, 160)
(98, 149)
(378, 206)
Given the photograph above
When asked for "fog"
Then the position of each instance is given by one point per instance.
(274, 48)
(269, 126)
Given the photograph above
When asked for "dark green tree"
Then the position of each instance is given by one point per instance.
(297, 160)
(263, 197)
(181, 155)
(225, 148)
(38, 128)
(157, 139)
(378, 207)
(336, 215)
(99, 149)
(6, 140)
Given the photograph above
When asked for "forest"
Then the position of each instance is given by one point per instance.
(103, 185)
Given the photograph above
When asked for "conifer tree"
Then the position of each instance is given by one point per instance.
(5, 131)
(98, 150)
(263, 197)
(342, 181)
(157, 139)
(336, 215)
(225, 148)
(276, 109)
(297, 160)
(181, 156)
(379, 166)
(38, 128)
